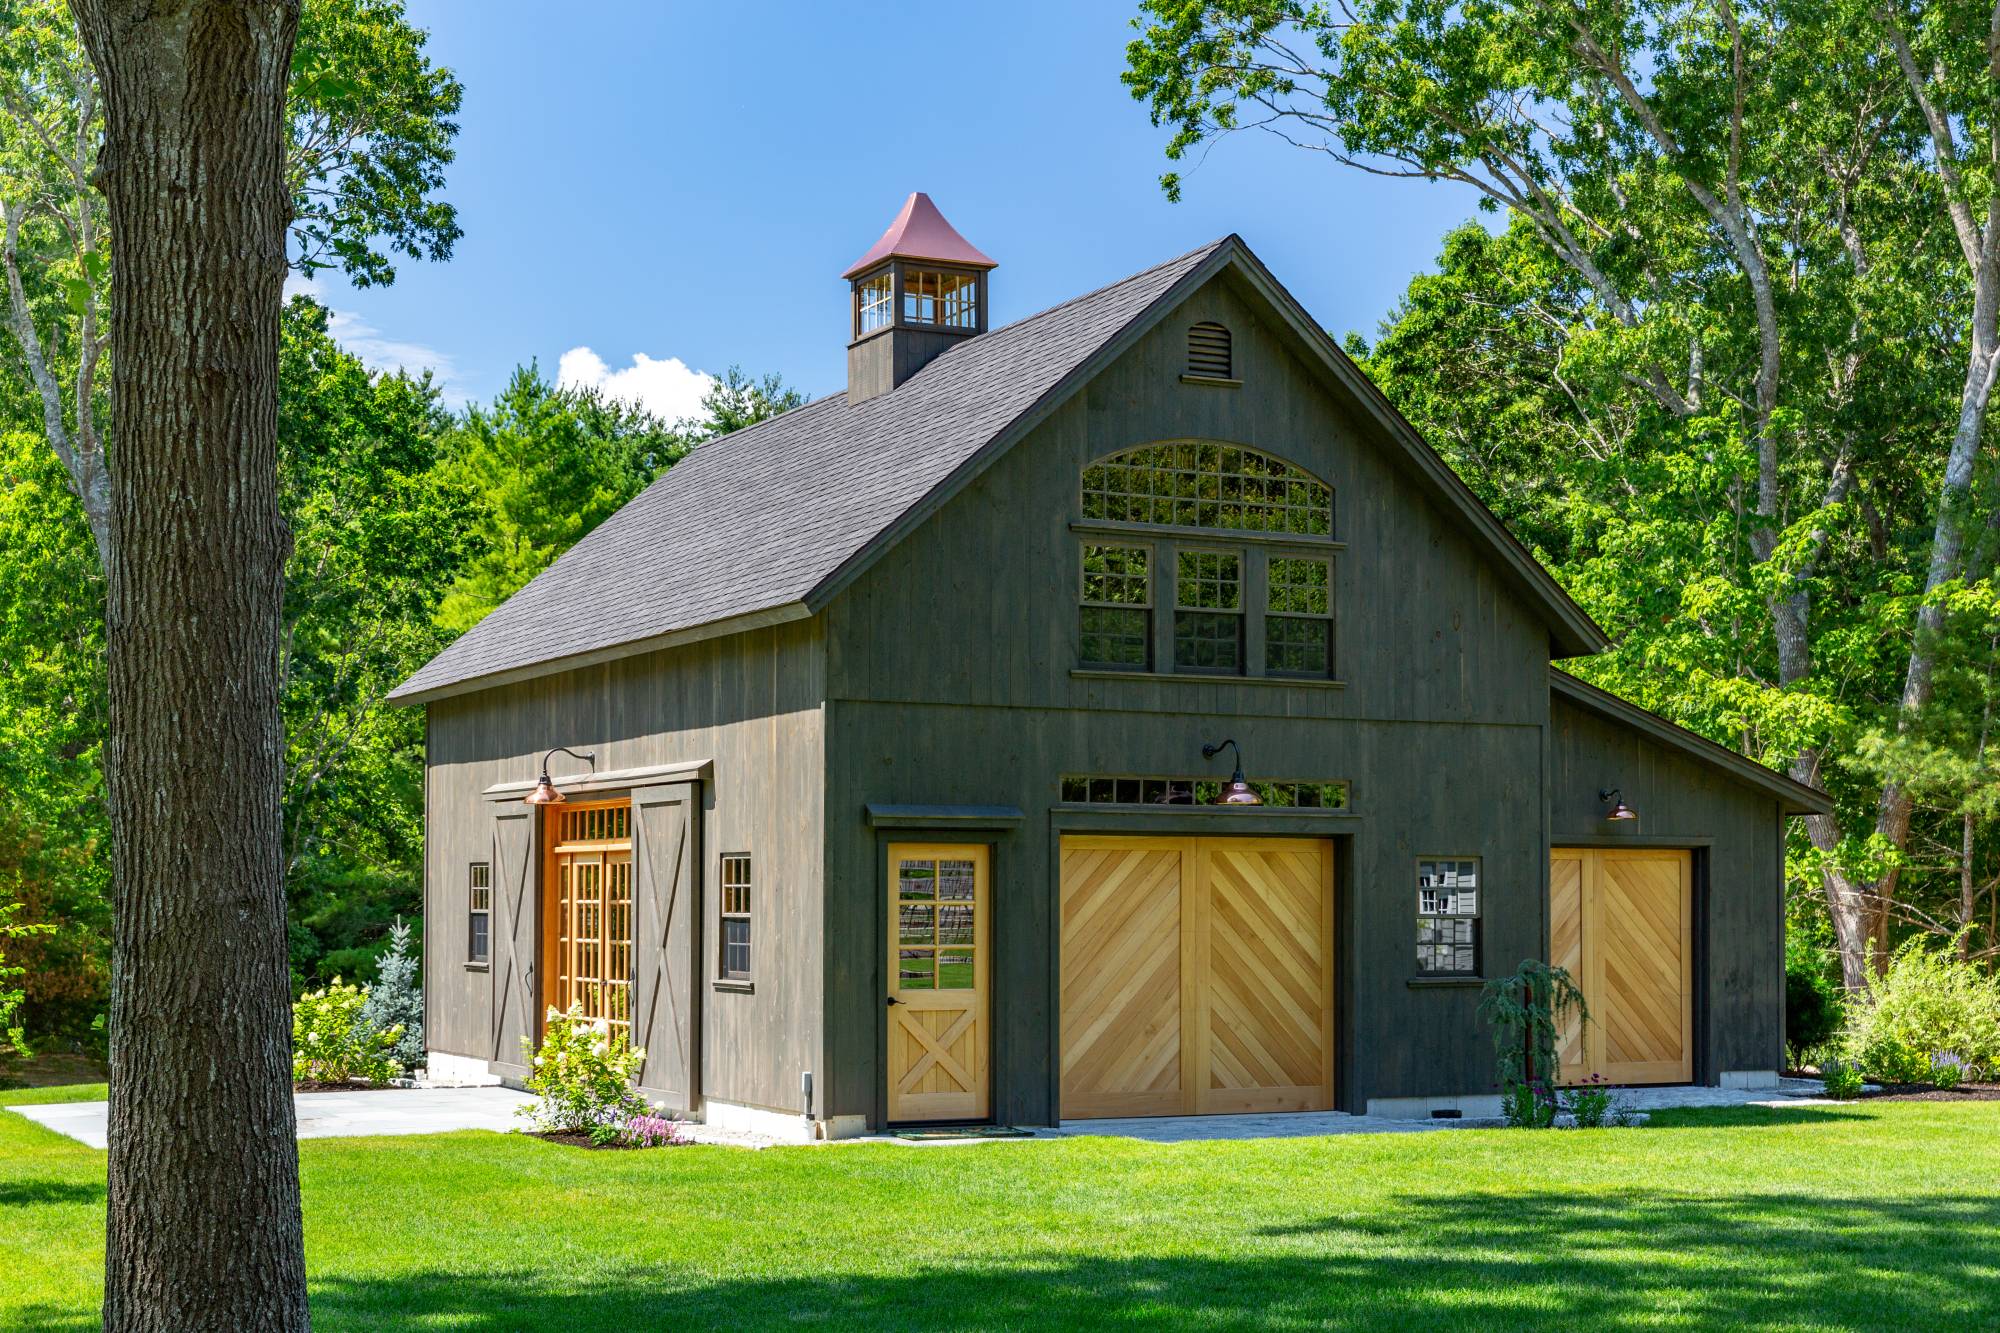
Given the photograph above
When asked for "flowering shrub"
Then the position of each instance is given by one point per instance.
(1843, 1080)
(654, 1130)
(1926, 1002)
(332, 1044)
(583, 1075)
(1528, 1105)
(1947, 1070)
(1590, 1105)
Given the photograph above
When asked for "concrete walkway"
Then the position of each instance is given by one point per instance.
(324, 1115)
(329, 1115)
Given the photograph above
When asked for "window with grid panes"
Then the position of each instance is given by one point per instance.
(479, 912)
(736, 916)
(1298, 620)
(1117, 612)
(875, 298)
(1448, 892)
(1208, 612)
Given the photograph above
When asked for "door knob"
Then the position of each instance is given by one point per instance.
(894, 1000)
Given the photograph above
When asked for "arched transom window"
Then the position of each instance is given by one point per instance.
(1203, 558)
(1200, 484)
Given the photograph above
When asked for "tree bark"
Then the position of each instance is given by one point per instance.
(203, 1228)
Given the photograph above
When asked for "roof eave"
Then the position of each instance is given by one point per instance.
(403, 696)
(1793, 797)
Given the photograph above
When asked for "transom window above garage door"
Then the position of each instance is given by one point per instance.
(1205, 559)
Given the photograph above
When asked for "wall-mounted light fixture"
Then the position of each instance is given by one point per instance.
(1238, 791)
(1619, 810)
(545, 792)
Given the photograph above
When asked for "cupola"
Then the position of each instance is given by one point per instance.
(919, 289)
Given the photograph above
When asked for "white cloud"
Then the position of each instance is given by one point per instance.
(377, 352)
(297, 284)
(671, 390)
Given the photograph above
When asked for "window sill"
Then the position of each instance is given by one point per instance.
(478, 967)
(1213, 381)
(1121, 528)
(733, 986)
(1196, 678)
(1444, 983)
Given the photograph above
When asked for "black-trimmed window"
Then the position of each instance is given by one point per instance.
(479, 912)
(1298, 620)
(1448, 916)
(1202, 484)
(1208, 612)
(736, 916)
(1117, 610)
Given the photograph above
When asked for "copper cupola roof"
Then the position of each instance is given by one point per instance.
(920, 232)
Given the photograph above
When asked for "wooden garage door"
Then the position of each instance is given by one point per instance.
(1620, 920)
(1197, 975)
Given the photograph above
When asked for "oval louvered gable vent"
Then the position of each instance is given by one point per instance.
(1209, 352)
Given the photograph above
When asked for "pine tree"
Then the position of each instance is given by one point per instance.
(398, 997)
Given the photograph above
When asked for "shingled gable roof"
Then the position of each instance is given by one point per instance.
(1793, 797)
(769, 523)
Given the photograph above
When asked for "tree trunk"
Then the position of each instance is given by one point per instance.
(204, 1225)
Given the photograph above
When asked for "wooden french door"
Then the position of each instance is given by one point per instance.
(1621, 923)
(939, 960)
(1197, 975)
(587, 924)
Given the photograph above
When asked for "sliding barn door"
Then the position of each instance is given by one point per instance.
(665, 982)
(515, 1010)
(1197, 976)
(1625, 915)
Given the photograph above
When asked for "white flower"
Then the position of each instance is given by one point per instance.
(538, 1062)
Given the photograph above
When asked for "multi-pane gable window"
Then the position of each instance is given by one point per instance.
(1448, 916)
(1208, 614)
(1193, 484)
(1117, 606)
(479, 913)
(736, 916)
(1298, 626)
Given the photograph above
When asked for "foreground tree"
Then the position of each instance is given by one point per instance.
(203, 1218)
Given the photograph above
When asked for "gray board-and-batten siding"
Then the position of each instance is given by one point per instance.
(945, 674)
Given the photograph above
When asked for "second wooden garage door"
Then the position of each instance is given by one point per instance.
(1620, 921)
(1197, 975)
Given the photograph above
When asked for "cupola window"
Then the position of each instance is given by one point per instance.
(875, 302)
(941, 298)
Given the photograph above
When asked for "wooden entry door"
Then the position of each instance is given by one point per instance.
(1621, 922)
(1197, 975)
(587, 929)
(939, 960)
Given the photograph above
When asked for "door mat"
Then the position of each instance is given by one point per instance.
(966, 1132)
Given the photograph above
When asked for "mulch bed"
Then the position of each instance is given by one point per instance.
(1924, 1092)
(579, 1141)
(350, 1086)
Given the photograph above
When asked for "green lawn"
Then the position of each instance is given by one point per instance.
(1883, 1216)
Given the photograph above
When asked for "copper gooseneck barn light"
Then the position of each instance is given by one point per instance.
(545, 792)
(1238, 791)
(1619, 810)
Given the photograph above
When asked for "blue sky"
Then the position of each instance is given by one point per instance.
(672, 182)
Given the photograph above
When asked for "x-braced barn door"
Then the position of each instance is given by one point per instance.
(938, 968)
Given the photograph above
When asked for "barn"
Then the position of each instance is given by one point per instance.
(1121, 712)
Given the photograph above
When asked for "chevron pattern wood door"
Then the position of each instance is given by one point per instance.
(1566, 951)
(1197, 975)
(1121, 976)
(1635, 932)
(1262, 998)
